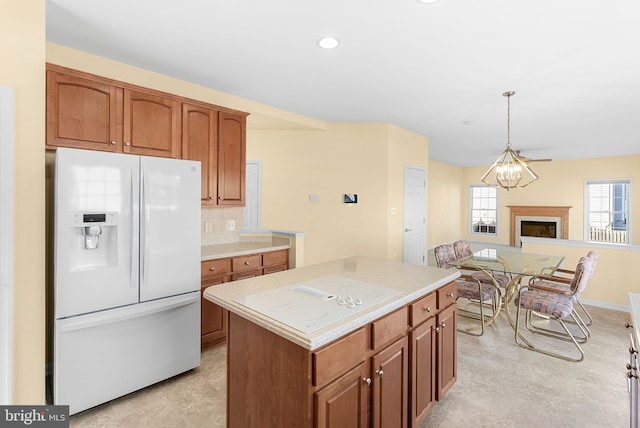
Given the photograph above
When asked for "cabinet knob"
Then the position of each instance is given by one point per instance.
(627, 325)
(246, 263)
(427, 309)
(211, 197)
(380, 372)
(221, 198)
(126, 144)
(113, 142)
(212, 269)
(631, 350)
(437, 329)
(367, 380)
(450, 295)
(442, 325)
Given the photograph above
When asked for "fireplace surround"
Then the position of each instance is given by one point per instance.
(559, 215)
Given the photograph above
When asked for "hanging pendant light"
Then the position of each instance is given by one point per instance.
(510, 170)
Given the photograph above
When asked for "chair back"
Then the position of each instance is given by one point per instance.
(445, 256)
(594, 256)
(463, 250)
(581, 275)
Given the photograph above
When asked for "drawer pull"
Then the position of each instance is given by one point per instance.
(627, 325)
(246, 263)
(367, 380)
(113, 143)
(427, 308)
(380, 372)
(212, 269)
(126, 143)
(450, 295)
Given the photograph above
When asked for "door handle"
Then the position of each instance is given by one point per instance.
(407, 229)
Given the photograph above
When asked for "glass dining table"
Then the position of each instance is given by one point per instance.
(510, 261)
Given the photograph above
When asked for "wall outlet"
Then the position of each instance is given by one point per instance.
(208, 226)
(231, 225)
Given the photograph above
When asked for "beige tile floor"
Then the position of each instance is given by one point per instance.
(499, 385)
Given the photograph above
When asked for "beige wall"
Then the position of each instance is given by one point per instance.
(366, 159)
(617, 272)
(403, 148)
(22, 49)
(445, 195)
(561, 183)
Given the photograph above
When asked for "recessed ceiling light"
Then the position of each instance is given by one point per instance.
(328, 43)
(427, 1)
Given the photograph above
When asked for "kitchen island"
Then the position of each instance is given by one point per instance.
(337, 344)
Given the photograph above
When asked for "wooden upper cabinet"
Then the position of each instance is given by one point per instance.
(150, 124)
(200, 143)
(231, 159)
(83, 113)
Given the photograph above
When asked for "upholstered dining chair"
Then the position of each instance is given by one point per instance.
(558, 304)
(484, 273)
(486, 296)
(561, 280)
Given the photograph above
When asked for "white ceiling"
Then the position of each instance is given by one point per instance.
(439, 70)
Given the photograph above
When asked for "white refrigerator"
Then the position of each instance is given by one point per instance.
(126, 274)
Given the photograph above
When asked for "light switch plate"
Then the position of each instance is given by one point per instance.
(231, 225)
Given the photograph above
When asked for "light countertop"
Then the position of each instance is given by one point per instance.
(411, 281)
(221, 251)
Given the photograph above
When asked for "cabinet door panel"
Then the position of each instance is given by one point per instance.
(150, 125)
(200, 143)
(343, 403)
(447, 352)
(213, 321)
(82, 113)
(423, 370)
(390, 386)
(231, 159)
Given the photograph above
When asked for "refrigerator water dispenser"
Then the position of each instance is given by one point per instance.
(94, 240)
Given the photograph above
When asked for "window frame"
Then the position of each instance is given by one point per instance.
(586, 209)
(471, 209)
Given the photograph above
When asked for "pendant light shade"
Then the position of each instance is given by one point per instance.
(509, 171)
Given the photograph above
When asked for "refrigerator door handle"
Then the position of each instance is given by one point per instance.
(109, 318)
(133, 260)
(144, 230)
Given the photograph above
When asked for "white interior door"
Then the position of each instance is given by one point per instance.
(414, 240)
(252, 218)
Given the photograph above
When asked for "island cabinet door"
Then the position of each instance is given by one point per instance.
(423, 370)
(447, 352)
(344, 402)
(390, 375)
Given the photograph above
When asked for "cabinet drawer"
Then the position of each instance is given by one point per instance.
(273, 258)
(338, 357)
(273, 269)
(215, 267)
(447, 295)
(239, 264)
(246, 274)
(388, 328)
(423, 309)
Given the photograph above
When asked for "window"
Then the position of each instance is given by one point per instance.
(607, 211)
(484, 210)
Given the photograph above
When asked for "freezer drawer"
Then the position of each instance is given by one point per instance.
(105, 355)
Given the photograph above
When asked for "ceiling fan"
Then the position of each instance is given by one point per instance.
(526, 159)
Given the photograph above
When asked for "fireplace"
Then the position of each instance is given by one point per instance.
(538, 221)
(539, 229)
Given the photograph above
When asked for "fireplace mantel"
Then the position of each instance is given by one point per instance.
(538, 211)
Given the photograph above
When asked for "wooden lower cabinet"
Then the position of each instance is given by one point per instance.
(389, 373)
(390, 379)
(344, 402)
(447, 350)
(213, 318)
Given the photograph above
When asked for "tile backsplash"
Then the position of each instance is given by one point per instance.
(218, 218)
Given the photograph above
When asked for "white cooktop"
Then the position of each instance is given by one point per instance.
(308, 306)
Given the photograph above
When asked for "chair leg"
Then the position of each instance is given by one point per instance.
(485, 320)
(589, 317)
(520, 341)
(576, 320)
